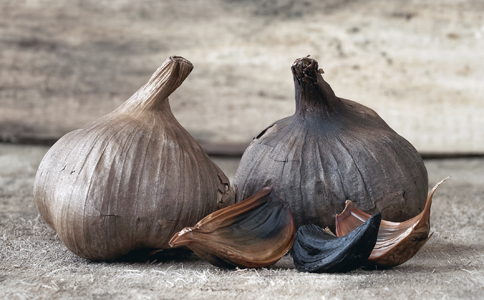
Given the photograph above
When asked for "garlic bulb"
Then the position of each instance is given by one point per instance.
(131, 179)
(331, 150)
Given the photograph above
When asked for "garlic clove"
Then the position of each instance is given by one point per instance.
(317, 251)
(397, 241)
(253, 233)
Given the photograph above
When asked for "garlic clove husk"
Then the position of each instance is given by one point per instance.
(331, 150)
(397, 242)
(253, 233)
(317, 251)
(131, 179)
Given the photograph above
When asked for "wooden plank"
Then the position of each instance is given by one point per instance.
(420, 68)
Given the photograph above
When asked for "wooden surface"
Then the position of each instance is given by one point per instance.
(420, 65)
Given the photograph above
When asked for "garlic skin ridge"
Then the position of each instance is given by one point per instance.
(131, 179)
(333, 149)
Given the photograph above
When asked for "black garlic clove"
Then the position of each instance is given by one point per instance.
(253, 233)
(317, 251)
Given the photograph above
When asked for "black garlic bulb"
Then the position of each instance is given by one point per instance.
(331, 150)
(317, 251)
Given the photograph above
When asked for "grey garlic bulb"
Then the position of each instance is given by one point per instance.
(131, 179)
(332, 150)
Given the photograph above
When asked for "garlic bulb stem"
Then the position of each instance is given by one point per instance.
(166, 79)
(313, 94)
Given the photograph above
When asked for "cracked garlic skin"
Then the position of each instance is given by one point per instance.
(397, 241)
(253, 233)
(317, 251)
(131, 179)
(331, 150)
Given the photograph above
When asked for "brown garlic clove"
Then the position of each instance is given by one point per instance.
(254, 233)
(397, 241)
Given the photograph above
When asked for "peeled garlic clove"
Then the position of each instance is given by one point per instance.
(397, 242)
(253, 233)
(317, 251)
(131, 179)
(331, 150)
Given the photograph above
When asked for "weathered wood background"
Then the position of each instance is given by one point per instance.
(420, 65)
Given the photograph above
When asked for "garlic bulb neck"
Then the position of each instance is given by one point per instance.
(154, 94)
(313, 94)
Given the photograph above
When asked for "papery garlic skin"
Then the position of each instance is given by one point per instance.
(397, 241)
(131, 179)
(331, 150)
(253, 233)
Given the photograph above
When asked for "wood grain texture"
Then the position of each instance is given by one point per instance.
(66, 63)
